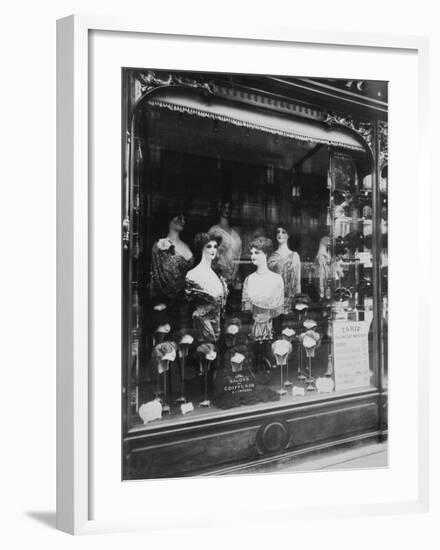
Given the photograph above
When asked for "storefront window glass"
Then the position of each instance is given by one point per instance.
(249, 277)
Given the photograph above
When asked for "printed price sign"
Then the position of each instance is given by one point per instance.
(350, 354)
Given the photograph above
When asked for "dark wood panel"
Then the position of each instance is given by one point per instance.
(333, 423)
(190, 454)
(189, 450)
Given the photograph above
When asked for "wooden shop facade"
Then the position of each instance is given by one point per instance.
(254, 254)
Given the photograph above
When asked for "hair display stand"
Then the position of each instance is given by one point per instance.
(282, 390)
(165, 405)
(205, 365)
(207, 355)
(165, 354)
(281, 350)
(287, 382)
(310, 381)
(231, 334)
(158, 338)
(183, 354)
(310, 341)
(301, 376)
(260, 355)
(289, 335)
(302, 310)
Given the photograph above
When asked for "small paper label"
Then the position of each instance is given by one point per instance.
(150, 411)
(298, 390)
(325, 385)
(187, 407)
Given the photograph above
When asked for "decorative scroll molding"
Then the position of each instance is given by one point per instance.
(150, 80)
(126, 232)
(146, 81)
(365, 130)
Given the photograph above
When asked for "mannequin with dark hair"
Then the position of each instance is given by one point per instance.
(171, 259)
(206, 289)
(229, 252)
(200, 241)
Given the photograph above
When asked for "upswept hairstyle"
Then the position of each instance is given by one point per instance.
(264, 244)
(202, 239)
(286, 229)
(162, 222)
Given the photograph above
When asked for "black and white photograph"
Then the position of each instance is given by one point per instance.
(254, 273)
(219, 275)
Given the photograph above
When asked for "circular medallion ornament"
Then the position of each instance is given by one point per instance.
(272, 437)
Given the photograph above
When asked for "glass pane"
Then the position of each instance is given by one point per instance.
(250, 268)
(350, 274)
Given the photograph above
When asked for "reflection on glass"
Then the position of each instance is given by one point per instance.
(231, 257)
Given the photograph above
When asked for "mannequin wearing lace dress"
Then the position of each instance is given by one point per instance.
(287, 263)
(323, 263)
(341, 220)
(263, 291)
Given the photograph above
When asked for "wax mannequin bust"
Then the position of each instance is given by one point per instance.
(206, 288)
(341, 220)
(323, 262)
(263, 291)
(287, 263)
(171, 259)
(229, 252)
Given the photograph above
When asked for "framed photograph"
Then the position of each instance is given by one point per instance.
(239, 249)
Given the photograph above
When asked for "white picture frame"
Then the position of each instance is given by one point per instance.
(74, 339)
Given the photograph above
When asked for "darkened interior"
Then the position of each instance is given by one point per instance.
(270, 179)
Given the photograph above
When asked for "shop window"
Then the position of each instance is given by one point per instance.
(249, 274)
